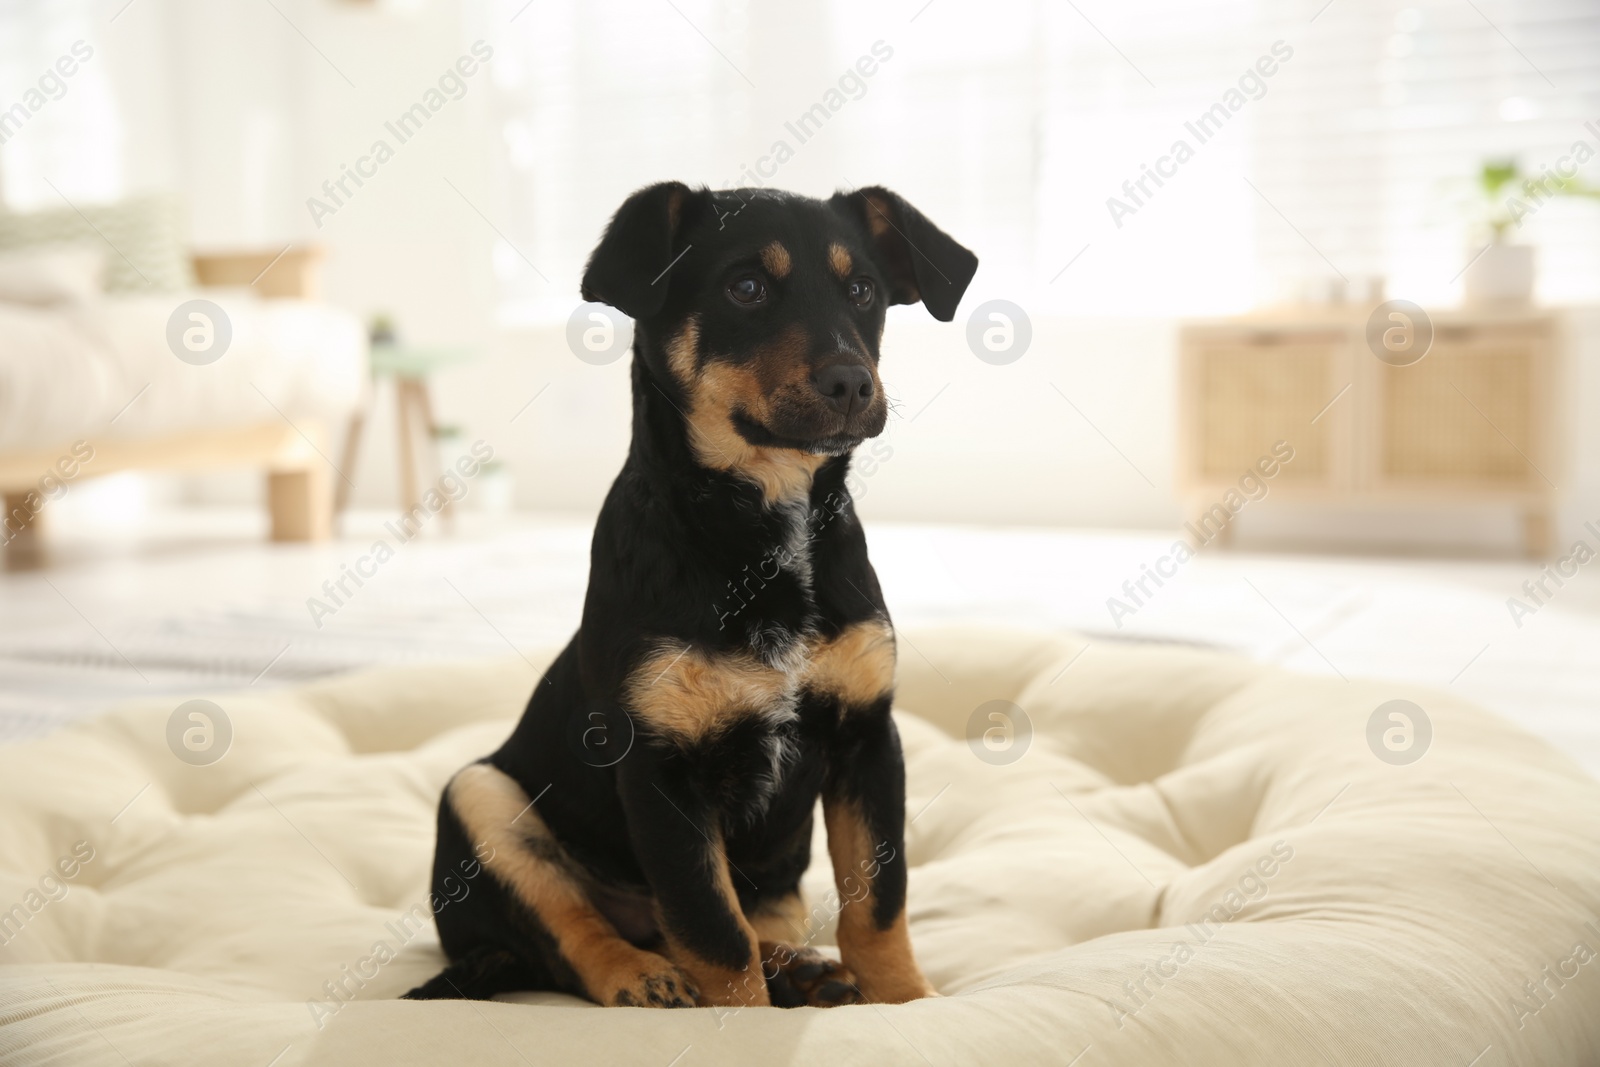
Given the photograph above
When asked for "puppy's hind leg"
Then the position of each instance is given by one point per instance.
(551, 915)
(477, 975)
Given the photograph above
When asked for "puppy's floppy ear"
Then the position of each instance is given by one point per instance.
(629, 267)
(924, 262)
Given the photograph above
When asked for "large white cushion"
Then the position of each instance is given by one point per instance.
(1197, 860)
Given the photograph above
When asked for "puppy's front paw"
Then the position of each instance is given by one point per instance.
(657, 985)
(801, 977)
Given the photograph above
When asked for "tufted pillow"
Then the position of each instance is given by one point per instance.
(1120, 855)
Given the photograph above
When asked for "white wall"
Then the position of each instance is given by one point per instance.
(977, 443)
(972, 442)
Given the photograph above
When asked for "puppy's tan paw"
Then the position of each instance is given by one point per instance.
(801, 977)
(658, 985)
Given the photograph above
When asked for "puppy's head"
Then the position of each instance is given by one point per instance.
(764, 310)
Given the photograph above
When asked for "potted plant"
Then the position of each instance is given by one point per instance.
(1502, 272)
(382, 331)
(495, 488)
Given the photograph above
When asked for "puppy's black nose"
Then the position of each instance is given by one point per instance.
(845, 386)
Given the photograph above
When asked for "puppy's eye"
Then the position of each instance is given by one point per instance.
(861, 292)
(747, 290)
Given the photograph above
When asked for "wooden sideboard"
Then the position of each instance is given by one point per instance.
(1472, 421)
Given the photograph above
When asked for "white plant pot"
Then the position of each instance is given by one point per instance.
(1503, 274)
(496, 491)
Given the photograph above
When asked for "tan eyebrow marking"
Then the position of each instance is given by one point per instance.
(775, 258)
(839, 259)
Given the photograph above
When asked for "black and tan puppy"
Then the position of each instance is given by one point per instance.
(645, 827)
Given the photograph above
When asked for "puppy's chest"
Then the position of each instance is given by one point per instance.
(734, 704)
(769, 604)
(753, 724)
(691, 695)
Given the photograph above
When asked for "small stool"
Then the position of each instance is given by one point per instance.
(409, 367)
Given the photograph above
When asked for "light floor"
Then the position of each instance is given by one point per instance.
(195, 601)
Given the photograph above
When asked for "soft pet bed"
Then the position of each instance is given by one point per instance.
(1195, 860)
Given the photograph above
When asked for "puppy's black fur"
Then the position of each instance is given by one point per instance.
(645, 827)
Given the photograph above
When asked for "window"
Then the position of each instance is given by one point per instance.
(55, 128)
(1014, 124)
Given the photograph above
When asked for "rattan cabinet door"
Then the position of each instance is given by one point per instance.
(1246, 390)
(1471, 416)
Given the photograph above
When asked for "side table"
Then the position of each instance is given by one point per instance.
(410, 367)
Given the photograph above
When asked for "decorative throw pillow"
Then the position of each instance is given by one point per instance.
(142, 237)
(51, 274)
